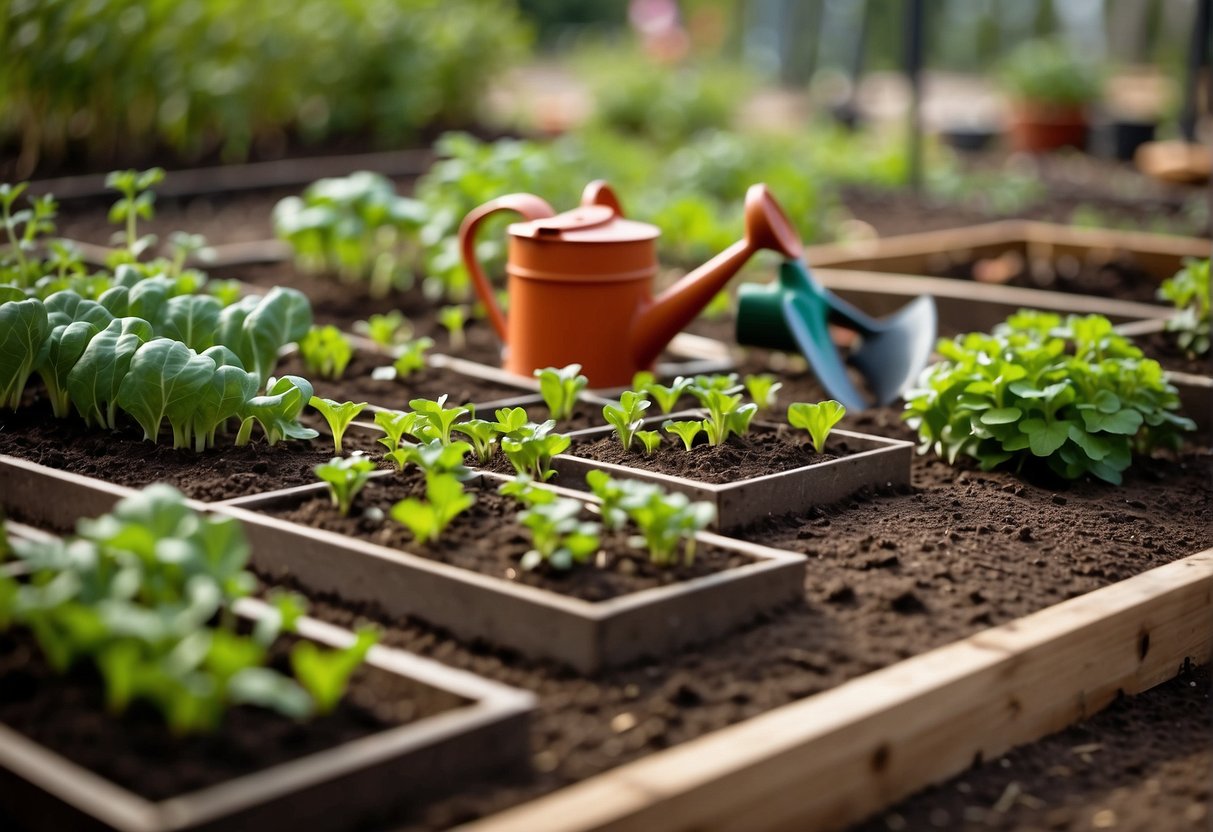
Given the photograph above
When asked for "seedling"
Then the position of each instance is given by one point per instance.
(523, 489)
(627, 416)
(664, 519)
(338, 415)
(439, 417)
(666, 397)
(611, 493)
(137, 202)
(558, 536)
(560, 389)
(482, 435)
(1188, 290)
(726, 414)
(511, 420)
(434, 458)
(395, 425)
(686, 431)
(345, 478)
(412, 357)
(650, 439)
(818, 419)
(445, 500)
(762, 389)
(226, 292)
(277, 411)
(386, 330)
(326, 351)
(530, 449)
(325, 674)
(453, 319)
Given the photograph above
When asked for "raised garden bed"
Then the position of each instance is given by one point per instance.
(409, 731)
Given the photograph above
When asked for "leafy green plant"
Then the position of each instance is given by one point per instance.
(686, 431)
(665, 396)
(481, 434)
(438, 416)
(411, 357)
(1073, 395)
(326, 351)
(387, 330)
(512, 420)
(649, 439)
(627, 416)
(445, 500)
(818, 419)
(339, 415)
(277, 411)
(1051, 72)
(560, 389)
(453, 318)
(24, 328)
(19, 265)
(523, 489)
(558, 536)
(666, 520)
(434, 458)
(146, 596)
(325, 674)
(531, 447)
(346, 476)
(726, 414)
(1188, 290)
(395, 424)
(137, 202)
(762, 388)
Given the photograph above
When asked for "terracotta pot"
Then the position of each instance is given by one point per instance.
(1037, 127)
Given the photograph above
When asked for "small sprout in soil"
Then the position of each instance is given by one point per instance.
(558, 536)
(511, 420)
(664, 519)
(412, 357)
(1188, 290)
(325, 351)
(325, 674)
(726, 414)
(395, 424)
(481, 434)
(386, 330)
(726, 383)
(686, 431)
(137, 202)
(226, 292)
(346, 476)
(338, 415)
(523, 489)
(560, 388)
(445, 500)
(666, 397)
(626, 416)
(438, 416)
(762, 389)
(434, 458)
(611, 492)
(530, 449)
(650, 439)
(818, 419)
(453, 318)
(277, 411)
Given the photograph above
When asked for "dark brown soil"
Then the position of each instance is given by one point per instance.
(1121, 278)
(1162, 347)
(1143, 765)
(357, 385)
(220, 473)
(487, 539)
(67, 714)
(767, 449)
(890, 576)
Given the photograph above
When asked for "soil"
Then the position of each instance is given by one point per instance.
(1142, 765)
(891, 574)
(487, 539)
(123, 457)
(68, 715)
(1161, 346)
(767, 449)
(357, 385)
(1120, 278)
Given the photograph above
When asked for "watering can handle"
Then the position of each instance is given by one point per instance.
(531, 208)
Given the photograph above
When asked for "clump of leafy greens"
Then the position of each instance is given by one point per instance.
(560, 388)
(666, 520)
(1072, 394)
(325, 351)
(1188, 290)
(345, 476)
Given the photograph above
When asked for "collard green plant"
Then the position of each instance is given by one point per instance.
(338, 415)
(23, 332)
(818, 419)
(94, 381)
(346, 476)
(445, 500)
(1188, 290)
(559, 537)
(560, 389)
(627, 416)
(325, 351)
(1070, 394)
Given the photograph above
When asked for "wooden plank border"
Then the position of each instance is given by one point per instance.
(845, 754)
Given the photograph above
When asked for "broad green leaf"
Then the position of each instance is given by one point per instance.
(64, 347)
(94, 380)
(164, 380)
(192, 320)
(1001, 416)
(24, 328)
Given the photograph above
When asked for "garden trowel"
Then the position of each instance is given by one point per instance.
(794, 314)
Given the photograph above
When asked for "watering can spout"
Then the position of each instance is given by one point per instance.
(766, 227)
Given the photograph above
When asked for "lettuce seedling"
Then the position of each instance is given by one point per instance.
(650, 439)
(686, 431)
(1074, 395)
(396, 424)
(453, 318)
(482, 434)
(411, 357)
(511, 420)
(558, 536)
(439, 417)
(666, 397)
(326, 351)
(386, 330)
(726, 383)
(445, 500)
(434, 458)
(345, 478)
(137, 202)
(339, 415)
(726, 414)
(762, 389)
(611, 494)
(1188, 290)
(523, 489)
(818, 419)
(560, 388)
(530, 449)
(277, 411)
(325, 674)
(23, 344)
(626, 416)
(664, 519)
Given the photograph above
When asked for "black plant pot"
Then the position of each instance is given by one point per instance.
(968, 139)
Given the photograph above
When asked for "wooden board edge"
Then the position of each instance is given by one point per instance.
(846, 753)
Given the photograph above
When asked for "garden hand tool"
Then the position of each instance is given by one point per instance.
(794, 314)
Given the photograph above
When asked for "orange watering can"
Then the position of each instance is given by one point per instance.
(580, 283)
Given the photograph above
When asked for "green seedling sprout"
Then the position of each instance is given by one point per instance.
(386, 330)
(453, 318)
(445, 500)
(726, 383)
(434, 458)
(560, 389)
(346, 476)
(686, 431)
(626, 416)
(395, 424)
(277, 411)
(412, 357)
(530, 449)
(523, 489)
(137, 202)
(1189, 290)
(439, 417)
(482, 434)
(818, 419)
(665, 520)
(558, 536)
(339, 415)
(762, 389)
(666, 397)
(183, 244)
(650, 439)
(611, 494)
(226, 292)
(326, 351)
(726, 414)
(325, 674)
(511, 420)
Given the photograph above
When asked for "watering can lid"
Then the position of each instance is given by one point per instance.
(587, 224)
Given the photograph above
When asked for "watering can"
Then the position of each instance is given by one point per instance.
(580, 283)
